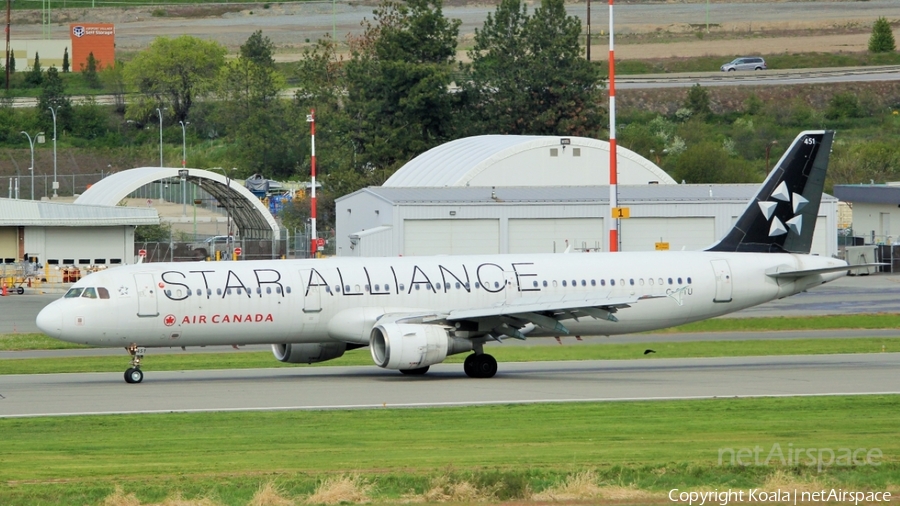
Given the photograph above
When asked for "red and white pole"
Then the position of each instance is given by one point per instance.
(312, 201)
(613, 170)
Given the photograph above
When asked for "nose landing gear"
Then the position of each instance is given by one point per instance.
(134, 374)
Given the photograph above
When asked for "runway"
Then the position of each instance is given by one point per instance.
(445, 385)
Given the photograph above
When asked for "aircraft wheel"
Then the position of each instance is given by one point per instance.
(20, 290)
(485, 366)
(133, 375)
(415, 372)
(469, 365)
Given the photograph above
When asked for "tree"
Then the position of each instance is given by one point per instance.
(53, 94)
(12, 62)
(35, 76)
(259, 50)
(174, 72)
(882, 39)
(257, 118)
(697, 100)
(65, 62)
(113, 79)
(89, 72)
(528, 75)
(398, 75)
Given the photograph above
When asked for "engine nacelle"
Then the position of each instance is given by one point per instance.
(308, 353)
(411, 346)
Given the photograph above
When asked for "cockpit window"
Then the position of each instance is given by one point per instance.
(74, 292)
(103, 292)
(89, 293)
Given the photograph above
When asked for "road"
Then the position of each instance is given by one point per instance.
(447, 385)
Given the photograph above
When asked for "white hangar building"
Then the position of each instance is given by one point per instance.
(60, 234)
(528, 194)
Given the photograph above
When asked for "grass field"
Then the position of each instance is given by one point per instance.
(361, 357)
(507, 452)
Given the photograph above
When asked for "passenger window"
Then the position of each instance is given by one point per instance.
(356, 287)
(650, 281)
(337, 288)
(593, 282)
(679, 281)
(89, 293)
(168, 293)
(287, 289)
(218, 291)
(621, 281)
(269, 289)
(103, 292)
(208, 292)
(278, 290)
(258, 291)
(477, 285)
(564, 282)
(417, 287)
(496, 284)
(602, 282)
(346, 288)
(660, 281)
(670, 281)
(689, 280)
(612, 282)
(535, 284)
(73, 293)
(402, 288)
(641, 281)
(228, 291)
(438, 286)
(554, 283)
(631, 281)
(457, 285)
(366, 287)
(583, 283)
(574, 283)
(237, 291)
(545, 283)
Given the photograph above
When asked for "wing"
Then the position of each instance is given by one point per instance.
(510, 317)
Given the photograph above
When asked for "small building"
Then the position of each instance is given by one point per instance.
(381, 221)
(530, 194)
(59, 234)
(875, 208)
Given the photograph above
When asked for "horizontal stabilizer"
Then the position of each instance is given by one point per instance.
(824, 270)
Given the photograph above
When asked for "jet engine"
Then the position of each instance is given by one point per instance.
(405, 346)
(308, 353)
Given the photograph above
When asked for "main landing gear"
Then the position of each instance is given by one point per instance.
(480, 366)
(133, 374)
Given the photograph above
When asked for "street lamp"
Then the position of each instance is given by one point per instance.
(183, 144)
(31, 143)
(159, 113)
(55, 182)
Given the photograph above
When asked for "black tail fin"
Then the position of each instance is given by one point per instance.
(782, 216)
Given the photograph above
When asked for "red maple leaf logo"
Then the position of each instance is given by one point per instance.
(169, 320)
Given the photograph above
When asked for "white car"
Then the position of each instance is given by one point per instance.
(746, 63)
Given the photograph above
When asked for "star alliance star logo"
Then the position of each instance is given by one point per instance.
(797, 201)
(123, 291)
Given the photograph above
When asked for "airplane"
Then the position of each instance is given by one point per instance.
(414, 312)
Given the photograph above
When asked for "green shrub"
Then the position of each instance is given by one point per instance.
(882, 39)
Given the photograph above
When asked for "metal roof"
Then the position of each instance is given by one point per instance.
(471, 195)
(25, 213)
(250, 216)
(457, 162)
(869, 193)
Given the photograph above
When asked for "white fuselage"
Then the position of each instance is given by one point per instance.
(340, 299)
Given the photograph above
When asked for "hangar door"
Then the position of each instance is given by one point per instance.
(9, 249)
(550, 235)
(642, 234)
(86, 245)
(451, 237)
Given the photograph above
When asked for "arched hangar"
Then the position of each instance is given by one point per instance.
(251, 218)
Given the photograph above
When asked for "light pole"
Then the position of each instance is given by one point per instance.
(183, 170)
(55, 182)
(159, 113)
(31, 143)
(183, 144)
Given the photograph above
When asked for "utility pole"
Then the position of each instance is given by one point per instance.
(8, 23)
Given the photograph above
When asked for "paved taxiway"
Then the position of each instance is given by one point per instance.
(446, 385)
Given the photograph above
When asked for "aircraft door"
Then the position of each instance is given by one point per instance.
(146, 295)
(312, 298)
(723, 280)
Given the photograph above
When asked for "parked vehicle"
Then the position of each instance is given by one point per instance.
(745, 63)
(208, 248)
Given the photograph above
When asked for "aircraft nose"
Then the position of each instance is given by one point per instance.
(49, 320)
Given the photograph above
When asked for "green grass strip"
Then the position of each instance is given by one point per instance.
(15, 342)
(571, 351)
(651, 445)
